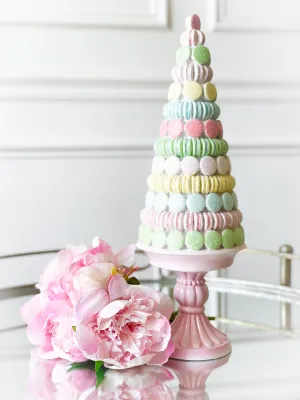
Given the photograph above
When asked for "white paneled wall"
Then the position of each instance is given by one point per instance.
(82, 85)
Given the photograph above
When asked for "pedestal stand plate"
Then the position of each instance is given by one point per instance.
(194, 336)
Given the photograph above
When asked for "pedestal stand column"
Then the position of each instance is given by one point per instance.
(195, 338)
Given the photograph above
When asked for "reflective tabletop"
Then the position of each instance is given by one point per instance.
(262, 365)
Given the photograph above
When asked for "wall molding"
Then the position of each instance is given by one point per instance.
(80, 89)
(136, 148)
(46, 15)
(219, 19)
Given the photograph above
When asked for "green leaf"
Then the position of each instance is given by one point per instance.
(133, 281)
(173, 316)
(211, 318)
(74, 328)
(82, 365)
(98, 365)
(100, 374)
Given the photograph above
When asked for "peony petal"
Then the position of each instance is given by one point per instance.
(104, 347)
(92, 277)
(73, 356)
(31, 308)
(126, 256)
(143, 291)
(117, 287)
(87, 342)
(165, 306)
(101, 246)
(163, 303)
(91, 303)
(49, 355)
(163, 356)
(112, 380)
(91, 393)
(112, 308)
(113, 364)
(161, 374)
(35, 332)
(60, 372)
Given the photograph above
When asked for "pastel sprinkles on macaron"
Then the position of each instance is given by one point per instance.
(190, 204)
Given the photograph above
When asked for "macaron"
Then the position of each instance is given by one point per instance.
(209, 91)
(192, 71)
(201, 55)
(208, 165)
(192, 37)
(149, 200)
(183, 54)
(172, 165)
(160, 201)
(175, 91)
(175, 128)
(194, 240)
(159, 238)
(190, 165)
(175, 240)
(158, 164)
(176, 202)
(220, 128)
(227, 239)
(235, 200)
(211, 128)
(216, 111)
(194, 128)
(147, 235)
(213, 202)
(222, 165)
(227, 201)
(192, 91)
(195, 202)
(213, 240)
(163, 129)
(229, 164)
(239, 236)
(193, 22)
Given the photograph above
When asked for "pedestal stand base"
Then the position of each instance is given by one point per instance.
(195, 338)
(202, 354)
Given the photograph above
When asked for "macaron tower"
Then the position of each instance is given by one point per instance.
(191, 204)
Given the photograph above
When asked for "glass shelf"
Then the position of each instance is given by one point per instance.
(263, 363)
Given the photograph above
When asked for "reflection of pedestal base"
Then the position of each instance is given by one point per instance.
(195, 338)
(192, 377)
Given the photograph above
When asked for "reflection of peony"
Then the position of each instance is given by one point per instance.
(128, 332)
(87, 310)
(50, 380)
(139, 383)
(40, 384)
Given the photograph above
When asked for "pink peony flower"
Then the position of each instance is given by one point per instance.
(74, 282)
(50, 328)
(130, 331)
(77, 270)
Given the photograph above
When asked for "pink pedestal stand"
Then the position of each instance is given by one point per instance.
(195, 338)
(193, 375)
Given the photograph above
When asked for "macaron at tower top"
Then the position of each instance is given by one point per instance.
(190, 203)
